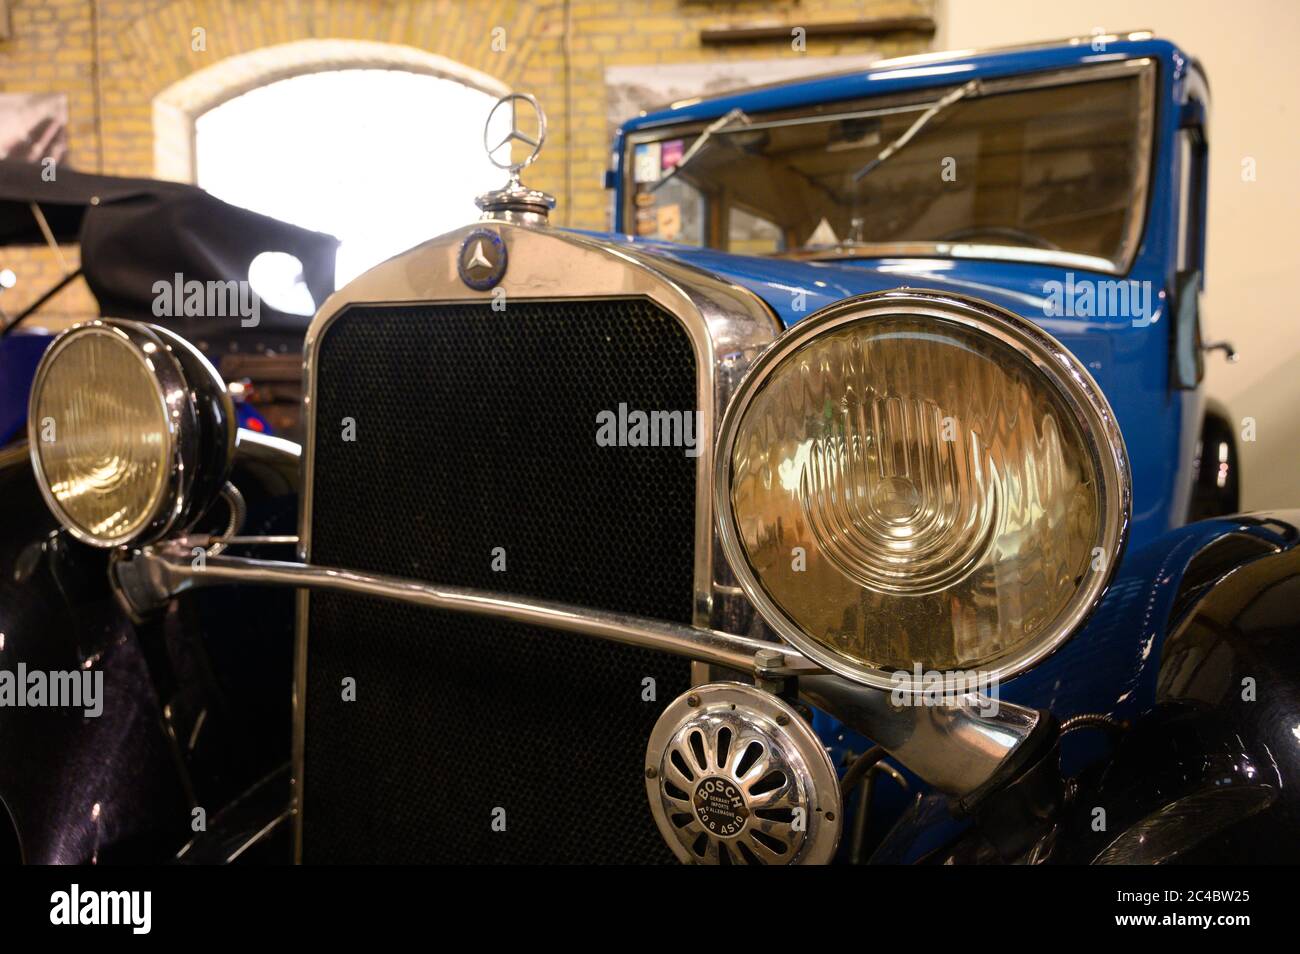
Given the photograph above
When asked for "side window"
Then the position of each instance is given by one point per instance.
(1188, 363)
(1192, 153)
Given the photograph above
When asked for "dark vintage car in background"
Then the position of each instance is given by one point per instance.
(133, 234)
(841, 504)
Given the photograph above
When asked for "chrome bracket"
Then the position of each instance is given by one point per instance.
(957, 747)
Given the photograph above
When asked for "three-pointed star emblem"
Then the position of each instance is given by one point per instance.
(482, 259)
(478, 259)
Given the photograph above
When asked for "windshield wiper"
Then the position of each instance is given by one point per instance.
(956, 95)
(736, 115)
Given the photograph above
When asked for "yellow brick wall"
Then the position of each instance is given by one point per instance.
(112, 57)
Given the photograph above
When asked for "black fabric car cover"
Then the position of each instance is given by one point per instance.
(136, 232)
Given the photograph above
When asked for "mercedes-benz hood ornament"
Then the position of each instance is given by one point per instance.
(516, 202)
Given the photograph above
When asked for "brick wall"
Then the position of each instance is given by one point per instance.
(113, 57)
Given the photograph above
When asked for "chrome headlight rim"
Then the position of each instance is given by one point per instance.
(1103, 443)
(182, 378)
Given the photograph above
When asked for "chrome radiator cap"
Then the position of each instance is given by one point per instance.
(736, 776)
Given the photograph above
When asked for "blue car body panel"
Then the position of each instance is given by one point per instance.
(1131, 364)
(1159, 426)
(1109, 666)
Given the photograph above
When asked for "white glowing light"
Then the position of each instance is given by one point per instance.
(381, 159)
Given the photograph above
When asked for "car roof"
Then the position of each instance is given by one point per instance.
(919, 71)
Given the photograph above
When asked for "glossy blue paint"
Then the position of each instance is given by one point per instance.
(20, 353)
(1109, 666)
(1130, 363)
(915, 73)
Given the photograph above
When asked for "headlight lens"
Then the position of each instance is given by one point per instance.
(910, 479)
(123, 418)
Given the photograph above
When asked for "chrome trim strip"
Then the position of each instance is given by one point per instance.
(255, 540)
(964, 250)
(256, 443)
(957, 748)
(728, 326)
(1062, 371)
(1145, 67)
(156, 574)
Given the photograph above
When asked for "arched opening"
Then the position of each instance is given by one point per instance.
(382, 159)
(377, 144)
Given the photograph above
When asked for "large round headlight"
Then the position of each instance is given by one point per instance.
(131, 432)
(917, 479)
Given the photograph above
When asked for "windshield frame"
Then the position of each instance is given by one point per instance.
(1145, 70)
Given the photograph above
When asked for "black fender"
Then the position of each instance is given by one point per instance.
(1211, 774)
(75, 789)
(1207, 768)
(196, 702)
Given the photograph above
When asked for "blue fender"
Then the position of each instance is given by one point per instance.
(1186, 620)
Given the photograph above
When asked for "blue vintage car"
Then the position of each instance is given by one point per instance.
(846, 503)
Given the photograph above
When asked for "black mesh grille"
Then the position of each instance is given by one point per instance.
(475, 429)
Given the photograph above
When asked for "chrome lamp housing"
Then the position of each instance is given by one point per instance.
(914, 481)
(131, 432)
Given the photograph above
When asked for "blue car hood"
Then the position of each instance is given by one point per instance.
(1128, 360)
(794, 290)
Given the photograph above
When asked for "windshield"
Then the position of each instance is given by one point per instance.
(1050, 168)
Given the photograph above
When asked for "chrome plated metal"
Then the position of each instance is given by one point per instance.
(516, 202)
(733, 770)
(1143, 67)
(957, 748)
(254, 540)
(13, 453)
(515, 134)
(151, 577)
(1229, 351)
(264, 446)
(188, 390)
(967, 250)
(1091, 720)
(1061, 371)
(238, 514)
(728, 327)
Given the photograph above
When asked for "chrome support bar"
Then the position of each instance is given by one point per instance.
(150, 577)
(956, 748)
(244, 540)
